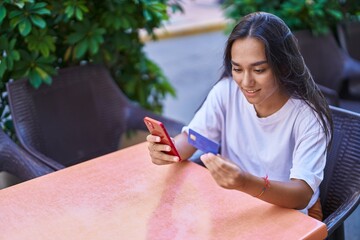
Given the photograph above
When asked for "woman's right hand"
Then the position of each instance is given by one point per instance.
(158, 151)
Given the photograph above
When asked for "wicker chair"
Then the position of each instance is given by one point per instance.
(332, 97)
(340, 189)
(19, 163)
(348, 34)
(330, 65)
(349, 38)
(80, 116)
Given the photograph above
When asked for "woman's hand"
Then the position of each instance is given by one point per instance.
(225, 173)
(158, 151)
(294, 193)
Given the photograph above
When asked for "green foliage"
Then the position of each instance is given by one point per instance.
(319, 16)
(38, 37)
(350, 9)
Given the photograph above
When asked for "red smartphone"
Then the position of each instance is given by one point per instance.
(157, 128)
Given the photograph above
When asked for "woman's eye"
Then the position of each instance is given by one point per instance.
(236, 69)
(259, 70)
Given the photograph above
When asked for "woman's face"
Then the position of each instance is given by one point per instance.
(252, 73)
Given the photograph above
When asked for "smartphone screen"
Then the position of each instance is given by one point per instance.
(157, 128)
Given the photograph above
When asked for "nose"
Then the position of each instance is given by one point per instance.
(247, 79)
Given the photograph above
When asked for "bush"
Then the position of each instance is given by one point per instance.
(350, 9)
(39, 37)
(319, 16)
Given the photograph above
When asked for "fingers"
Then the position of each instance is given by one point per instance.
(160, 158)
(215, 162)
(225, 173)
(158, 151)
(152, 138)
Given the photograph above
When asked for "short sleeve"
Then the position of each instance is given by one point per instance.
(309, 156)
(209, 119)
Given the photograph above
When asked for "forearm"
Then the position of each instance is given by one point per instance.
(292, 194)
(185, 149)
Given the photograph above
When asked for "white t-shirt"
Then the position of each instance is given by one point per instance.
(288, 144)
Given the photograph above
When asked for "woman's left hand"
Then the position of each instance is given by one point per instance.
(225, 173)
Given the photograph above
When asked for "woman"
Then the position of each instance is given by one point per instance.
(271, 120)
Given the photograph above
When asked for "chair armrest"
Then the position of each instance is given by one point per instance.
(342, 212)
(138, 113)
(41, 157)
(330, 94)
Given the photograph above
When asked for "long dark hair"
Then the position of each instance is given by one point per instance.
(284, 58)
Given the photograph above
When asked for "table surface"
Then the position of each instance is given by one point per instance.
(123, 195)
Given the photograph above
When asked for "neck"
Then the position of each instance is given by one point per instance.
(270, 107)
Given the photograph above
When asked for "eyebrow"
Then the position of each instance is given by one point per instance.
(253, 64)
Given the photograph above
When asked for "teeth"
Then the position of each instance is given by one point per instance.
(251, 91)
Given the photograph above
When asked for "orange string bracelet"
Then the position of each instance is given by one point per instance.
(266, 186)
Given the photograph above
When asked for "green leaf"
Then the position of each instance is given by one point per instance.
(75, 37)
(98, 31)
(336, 14)
(44, 50)
(80, 49)
(35, 79)
(15, 55)
(8, 124)
(78, 14)
(42, 11)
(3, 68)
(93, 46)
(69, 11)
(2, 13)
(48, 80)
(40, 5)
(19, 4)
(83, 8)
(38, 21)
(15, 13)
(147, 15)
(14, 22)
(8, 55)
(41, 72)
(25, 27)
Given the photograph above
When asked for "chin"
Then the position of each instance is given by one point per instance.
(251, 100)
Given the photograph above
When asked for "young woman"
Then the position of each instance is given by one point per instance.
(271, 120)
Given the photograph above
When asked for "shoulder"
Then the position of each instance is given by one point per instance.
(303, 110)
(306, 119)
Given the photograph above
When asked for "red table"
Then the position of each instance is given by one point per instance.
(123, 195)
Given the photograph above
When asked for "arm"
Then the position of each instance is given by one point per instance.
(158, 151)
(292, 194)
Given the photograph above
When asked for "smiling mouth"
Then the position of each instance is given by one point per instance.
(251, 91)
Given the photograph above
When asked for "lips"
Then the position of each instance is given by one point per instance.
(251, 90)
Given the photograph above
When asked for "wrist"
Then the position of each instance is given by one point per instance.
(254, 186)
(265, 186)
(246, 182)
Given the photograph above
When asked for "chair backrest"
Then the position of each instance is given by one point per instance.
(81, 115)
(332, 97)
(323, 57)
(19, 163)
(342, 171)
(349, 36)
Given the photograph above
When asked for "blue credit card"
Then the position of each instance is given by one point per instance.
(202, 143)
